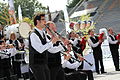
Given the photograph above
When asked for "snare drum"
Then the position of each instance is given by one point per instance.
(20, 55)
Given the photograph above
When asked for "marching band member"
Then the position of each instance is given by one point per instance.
(54, 60)
(39, 45)
(71, 66)
(5, 62)
(95, 43)
(114, 46)
(15, 64)
(77, 46)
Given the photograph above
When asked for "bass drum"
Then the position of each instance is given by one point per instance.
(23, 29)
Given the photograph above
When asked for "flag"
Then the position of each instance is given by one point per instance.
(19, 13)
(12, 12)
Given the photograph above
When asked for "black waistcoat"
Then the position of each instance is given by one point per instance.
(15, 43)
(54, 59)
(34, 56)
(95, 41)
(97, 51)
(113, 46)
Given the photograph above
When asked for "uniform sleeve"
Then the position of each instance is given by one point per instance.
(37, 45)
(92, 44)
(111, 41)
(67, 64)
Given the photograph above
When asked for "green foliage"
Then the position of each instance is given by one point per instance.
(29, 7)
(85, 17)
(4, 16)
(29, 21)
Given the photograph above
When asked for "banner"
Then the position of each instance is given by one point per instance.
(12, 12)
(19, 13)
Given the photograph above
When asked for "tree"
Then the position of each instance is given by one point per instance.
(4, 15)
(29, 7)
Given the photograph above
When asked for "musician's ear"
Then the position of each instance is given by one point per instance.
(37, 21)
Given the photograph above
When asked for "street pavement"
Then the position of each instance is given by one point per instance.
(111, 73)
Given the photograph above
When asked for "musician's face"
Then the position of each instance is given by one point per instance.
(111, 31)
(92, 33)
(12, 37)
(53, 27)
(72, 34)
(42, 22)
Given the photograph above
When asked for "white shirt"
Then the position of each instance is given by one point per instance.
(36, 42)
(75, 42)
(26, 42)
(11, 51)
(92, 44)
(111, 41)
(41, 48)
(67, 64)
(8, 42)
(56, 49)
(4, 53)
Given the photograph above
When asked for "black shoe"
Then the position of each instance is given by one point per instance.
(103, 72)
(98, 72)
(117, 69)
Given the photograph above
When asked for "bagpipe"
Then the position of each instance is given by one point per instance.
(83, 43)
(118, 38)
(101, 36)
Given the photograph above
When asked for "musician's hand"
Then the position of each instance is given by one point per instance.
(80, 57)
(100, 41)
(55, 39)
(10, 46)
(67, 57)
(2, 47)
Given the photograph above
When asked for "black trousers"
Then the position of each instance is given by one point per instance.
(40, 72)
(5, 68)
(89, 74)
(17, 68)
(115, 56)
(77, 75)
(57, 73)
(98, 59)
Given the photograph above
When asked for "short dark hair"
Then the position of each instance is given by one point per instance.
(109, 29)
(90, 31)
(38, 17)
